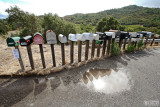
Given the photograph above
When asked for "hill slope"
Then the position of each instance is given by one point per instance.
(129, 15)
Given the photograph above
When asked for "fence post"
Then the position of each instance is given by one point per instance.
(124, 45)
(146, 41)
(20, 59)
(63, 53)
(98, 50)
(86, 49)
(42, 55)
(104, 47)
(71, 52)
(108, 47)
(152, 41)
(29, 51)
(79, 51)
(93, 48)
(53, 55)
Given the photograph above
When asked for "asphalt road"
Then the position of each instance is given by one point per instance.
(127, 80)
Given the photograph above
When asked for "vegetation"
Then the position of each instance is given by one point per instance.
(130, 48)
(115, 49)
(140, 44)
(106, 24)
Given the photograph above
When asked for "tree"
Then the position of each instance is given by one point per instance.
(106, 24)
(27, 23)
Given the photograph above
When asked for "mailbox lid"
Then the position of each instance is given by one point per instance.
(13, 41)
(72, 37)
(88, 36)
(51, 37)
(38, 39)
(112, 34)
(26, 41)
(62, 38)
(80, 37)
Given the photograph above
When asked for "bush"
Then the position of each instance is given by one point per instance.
(131, 48)
(115, 50)
(140, 44)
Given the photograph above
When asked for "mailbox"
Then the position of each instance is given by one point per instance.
(38, 39)
(13, 41)
(88, 36)
(143, 33)
(95, 36)
(112, 34)
(72, 37)
(26, 41)
(133, 34)
(102, 36)
(51, 37)
(62, 38)
(124, 35)
(81, 37)
(117, 33)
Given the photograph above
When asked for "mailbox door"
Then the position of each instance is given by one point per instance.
(10, 42)
(23, 42)
(62, 38)
(38, 39)
(51, 38)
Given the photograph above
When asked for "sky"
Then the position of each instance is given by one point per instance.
(68, 7)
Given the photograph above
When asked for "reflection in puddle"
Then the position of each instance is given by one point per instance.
(106, 80)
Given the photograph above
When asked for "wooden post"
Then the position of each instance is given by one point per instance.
(53, 55)
(124, 45)
(98, 50)
(93, 48)
(20, 59)
(146, 41)
(108, 47)
(79, 51)
(113, 40)
(42, 55)
(63, 53)
(86, 49)
(152, 41)
(71, 52)
(104, 47)
(120, 42)
(135, 44)
(30, 56)
(129, 42)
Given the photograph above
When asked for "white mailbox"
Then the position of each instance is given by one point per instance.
(149, 34)
(113, 34)
(96, 36)
(135, 39)
(62, 38)
(133, 34)
(51, 37)
(88, 36)
(81, 37)
(72, 37)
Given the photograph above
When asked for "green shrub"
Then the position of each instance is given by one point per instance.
(115, 50)
(131, 48)
(140, 44)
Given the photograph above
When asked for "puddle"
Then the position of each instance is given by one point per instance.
(106, 80)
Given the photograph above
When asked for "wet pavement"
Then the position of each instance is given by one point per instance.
(126, 80)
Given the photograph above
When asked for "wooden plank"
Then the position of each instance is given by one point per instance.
(124, 45)
(86, 49)
(30, 56)
(71, 52)
(152, 41)
(53, 55)
(79, 51)
(108, 47)
(63, 53)
(98, 50)
(20, 59)
(42, 55)
(104, 47)
(93, 48)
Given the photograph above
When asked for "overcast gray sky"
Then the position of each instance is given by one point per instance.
(68, 7)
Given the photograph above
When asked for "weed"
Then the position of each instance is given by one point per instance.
(130, 48)
(115, 50)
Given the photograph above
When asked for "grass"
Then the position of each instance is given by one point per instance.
(115, 49)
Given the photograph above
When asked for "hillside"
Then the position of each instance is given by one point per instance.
(129, 15)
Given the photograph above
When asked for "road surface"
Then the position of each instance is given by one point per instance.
(126, 80)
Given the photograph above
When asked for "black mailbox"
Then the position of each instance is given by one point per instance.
(103, 36)
(124, 35)
(26, 41)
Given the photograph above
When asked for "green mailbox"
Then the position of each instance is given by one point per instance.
(13, 41)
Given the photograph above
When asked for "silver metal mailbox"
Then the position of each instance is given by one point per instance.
(81, 37)
(88, 36)
(62, 38)
(51, 37)
(72, 37)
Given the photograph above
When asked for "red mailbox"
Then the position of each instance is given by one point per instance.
(38, 39)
